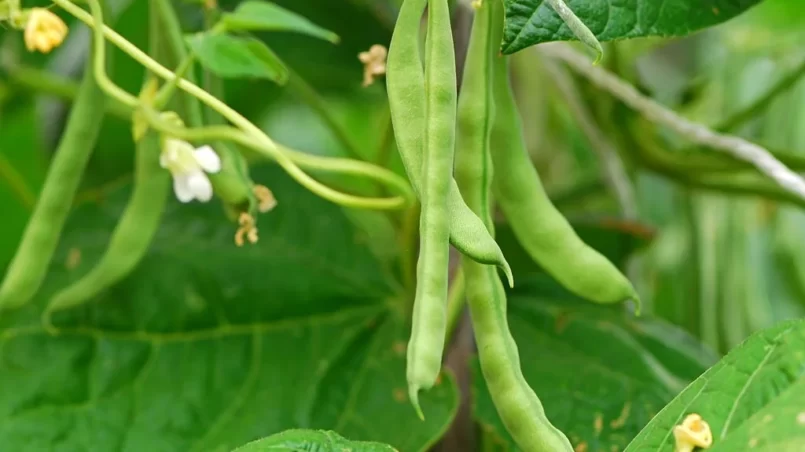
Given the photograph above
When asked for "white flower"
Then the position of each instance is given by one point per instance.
(188, 166)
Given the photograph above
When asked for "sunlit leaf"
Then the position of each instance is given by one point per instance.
(238, 57)
(256, 15)
(321, 441)
(530, 22)
(752, 399)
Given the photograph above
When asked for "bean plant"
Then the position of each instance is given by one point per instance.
(411, 225)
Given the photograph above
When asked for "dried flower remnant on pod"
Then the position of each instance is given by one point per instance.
(374, 63)
(265, 198)
(246, 231)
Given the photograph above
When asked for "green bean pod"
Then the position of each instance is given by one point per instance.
(518, 406)
(426, 345)
(405, 81)
(539, 227)
(133, 233)
(30, 263)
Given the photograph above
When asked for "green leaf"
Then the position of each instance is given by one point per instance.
(207, 346)
(752, 399)
(530, 22)
(238, 57)
(258, 15)
(778, 427)
(600, 373)
(321, 441)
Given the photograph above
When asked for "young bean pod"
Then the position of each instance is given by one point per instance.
(539, 227)
(406, 92)
(426, 345)
(35, 252)
(518, 406)
(132, 235)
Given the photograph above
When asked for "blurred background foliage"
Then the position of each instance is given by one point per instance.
(719, 265)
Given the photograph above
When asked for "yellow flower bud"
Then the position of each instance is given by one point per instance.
(44, 31)
(694, 432)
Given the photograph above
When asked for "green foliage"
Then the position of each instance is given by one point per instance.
(265, 16)
(530, 22)
(323, 441)
(752, 399)
(298, 342)
(238, 57)
(208, 346)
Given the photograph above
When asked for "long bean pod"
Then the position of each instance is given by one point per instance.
(426, 345)
(405, 81)
(137, 226)
(133, 233)
(518, 406)
(35, 252)
(540, 228)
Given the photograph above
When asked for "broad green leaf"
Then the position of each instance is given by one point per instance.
(321, 441)
(600, 373)
(207, 346)
(530, 22)
(752, 397)
(238, 57)
(256, 15)
(778, 427)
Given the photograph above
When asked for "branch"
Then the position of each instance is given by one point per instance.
(734, 146)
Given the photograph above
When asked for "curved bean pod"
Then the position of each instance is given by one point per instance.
(132, 235)
(518, 406)
(35, 252)
(426, 345)
(539, 227)
(405, 81)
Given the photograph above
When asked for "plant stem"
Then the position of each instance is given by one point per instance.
(138, 55)
(732, 145)
(264, 144)
(648, 150)
(173, 31)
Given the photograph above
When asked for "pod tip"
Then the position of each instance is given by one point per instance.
(638, 305)
(413, 394)
(507, 270)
